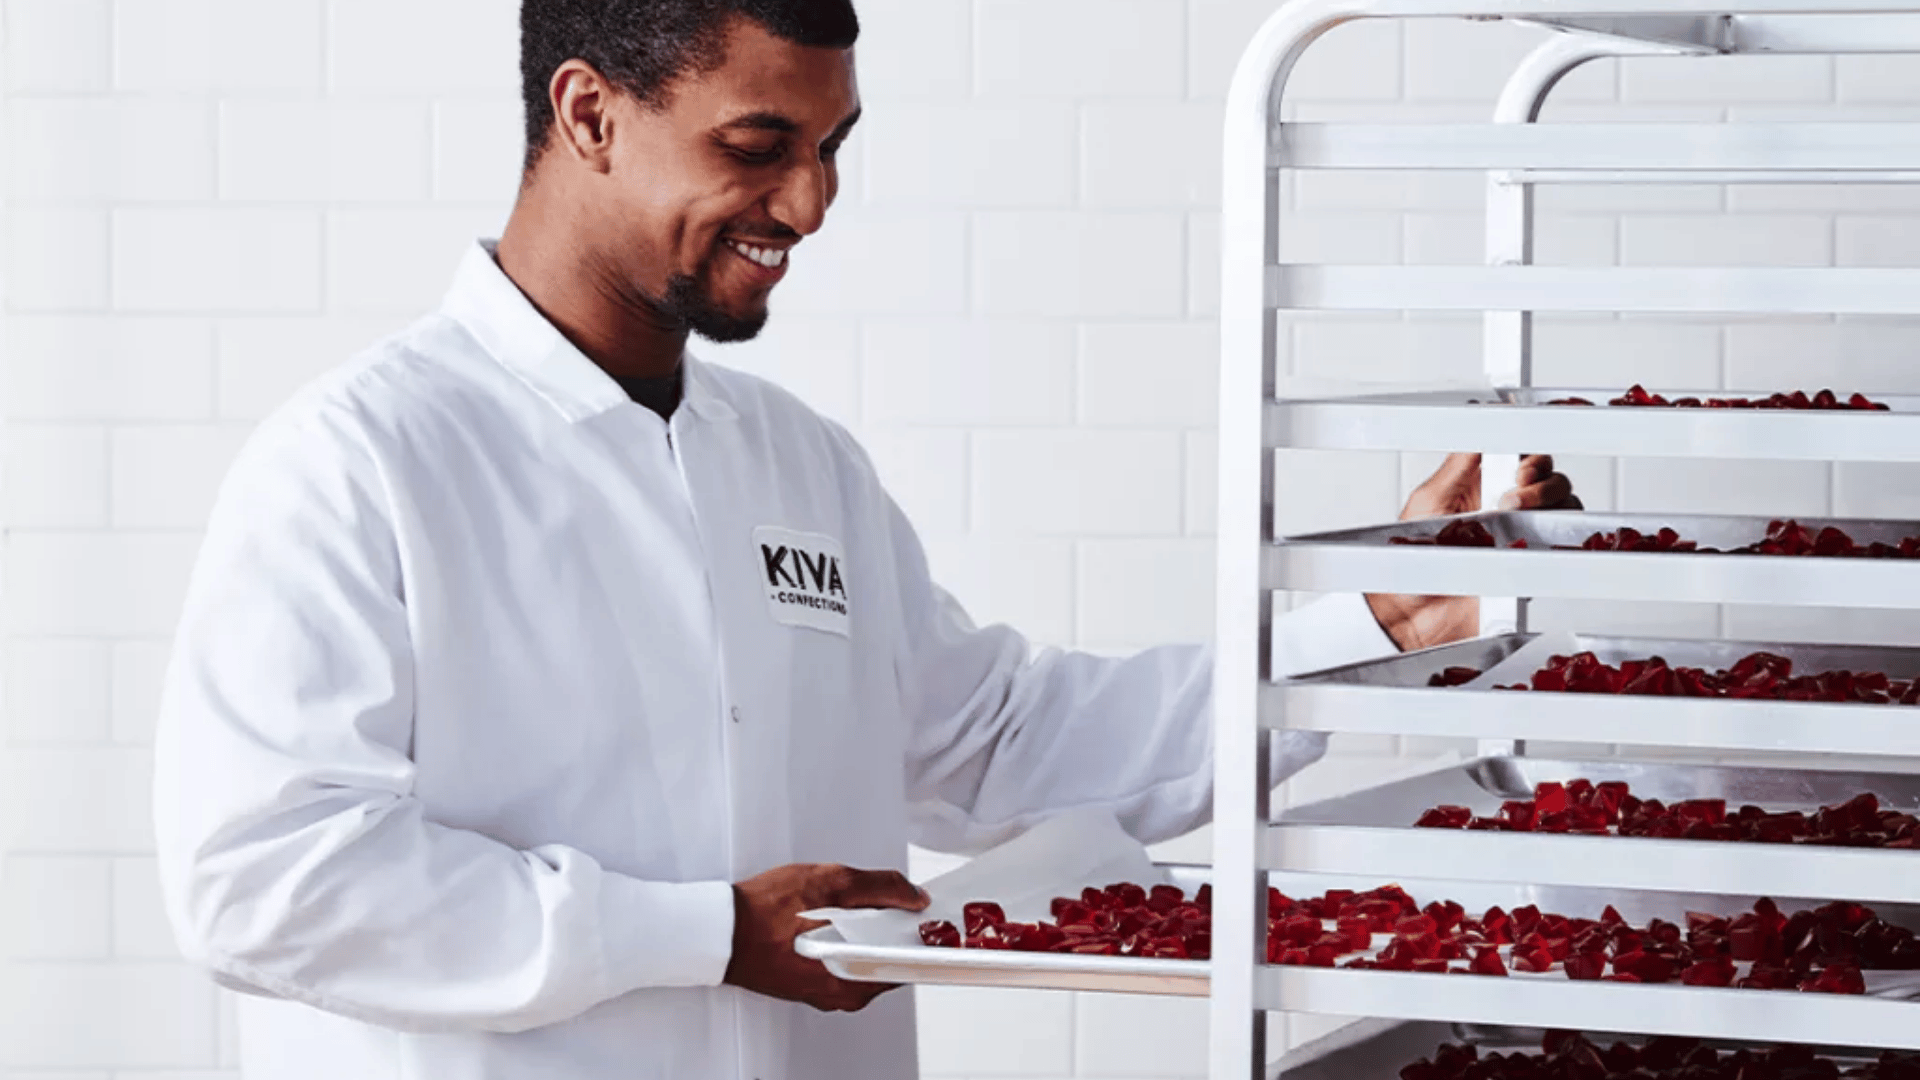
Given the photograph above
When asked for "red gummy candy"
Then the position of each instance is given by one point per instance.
(1718, 971)
(1445, 817)
(1644, 966)
(1586, 966)
(1486, 961)
(1534, 959)
(1837, 979)
(980, 915)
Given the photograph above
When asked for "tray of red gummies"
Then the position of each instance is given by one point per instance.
(1611, 808)
(1782, 537)
(1640, 397)
(1820, 950)
(1567, 1055)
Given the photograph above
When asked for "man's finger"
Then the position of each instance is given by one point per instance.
(855, 996)
(879, 889)
(1533, 469)
(835, 994)
(1550, 492)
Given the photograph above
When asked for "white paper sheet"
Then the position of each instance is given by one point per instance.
(1529, 658)
(1056, 858)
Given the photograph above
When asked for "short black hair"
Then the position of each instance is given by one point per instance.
(642, 46)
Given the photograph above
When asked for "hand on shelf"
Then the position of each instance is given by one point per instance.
(1422, 622)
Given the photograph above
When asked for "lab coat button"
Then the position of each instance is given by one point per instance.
(736, 714)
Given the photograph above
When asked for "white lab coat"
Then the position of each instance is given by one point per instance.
(490, 681)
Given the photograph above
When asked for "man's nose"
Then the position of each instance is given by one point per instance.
(802, 199)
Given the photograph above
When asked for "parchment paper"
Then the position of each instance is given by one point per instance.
(1056, 858)
(1526, 660)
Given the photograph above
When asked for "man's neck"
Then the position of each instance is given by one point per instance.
(548, 254)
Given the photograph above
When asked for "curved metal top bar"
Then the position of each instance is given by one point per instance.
(1577, 9)
(1526, 90)
(1279, 43)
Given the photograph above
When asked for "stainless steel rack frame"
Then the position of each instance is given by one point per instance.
(1517, 154)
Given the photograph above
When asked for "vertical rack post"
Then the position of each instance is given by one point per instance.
(1507, 336)
(1250, 245)
(1243, 658)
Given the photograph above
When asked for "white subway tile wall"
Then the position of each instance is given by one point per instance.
(208, 202)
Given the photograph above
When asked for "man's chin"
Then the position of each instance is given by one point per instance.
(725, 328)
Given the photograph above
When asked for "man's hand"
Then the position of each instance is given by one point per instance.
(1421, 622)
(766, 919)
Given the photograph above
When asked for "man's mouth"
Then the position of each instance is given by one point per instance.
(767, 258)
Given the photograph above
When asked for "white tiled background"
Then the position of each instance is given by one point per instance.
(208, 201)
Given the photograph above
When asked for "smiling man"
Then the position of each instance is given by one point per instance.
(536, 676)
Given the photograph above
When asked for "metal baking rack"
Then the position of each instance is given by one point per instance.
(1369, 834)
(1366, 838)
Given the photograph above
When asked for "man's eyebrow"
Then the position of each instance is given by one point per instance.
(763, 121)
(785, 125)
(847, 124)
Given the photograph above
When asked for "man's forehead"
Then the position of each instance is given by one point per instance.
(769, 84)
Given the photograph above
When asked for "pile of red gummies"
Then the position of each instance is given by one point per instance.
(1661, 541)
(1792, 538)
(1638, 396)
(1817, 951)
(1463, 533)
(1787, 537)
(1454, 676)
(1570, 1056)
(1761, 675)
(1119, 920)
(1581, 806)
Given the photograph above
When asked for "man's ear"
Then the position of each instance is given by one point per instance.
(583, 116)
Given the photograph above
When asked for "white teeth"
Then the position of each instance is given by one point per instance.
(767, 257)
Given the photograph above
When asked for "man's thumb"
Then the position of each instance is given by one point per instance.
(1457, 469)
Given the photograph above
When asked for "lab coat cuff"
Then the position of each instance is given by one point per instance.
(1329, 632)
(665, 934)
(1291, 751)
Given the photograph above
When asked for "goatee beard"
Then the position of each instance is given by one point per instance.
(687, 305)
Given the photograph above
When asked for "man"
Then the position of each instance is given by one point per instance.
(536, 676)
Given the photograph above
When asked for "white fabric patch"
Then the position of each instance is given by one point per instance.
(805, 578)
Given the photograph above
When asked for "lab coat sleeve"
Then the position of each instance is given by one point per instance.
(295, 859)
(1004, 737)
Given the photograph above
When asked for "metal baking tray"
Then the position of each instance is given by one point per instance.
(1548, 1000)
(1885, 1017)
(1667, 1009)
(1032, 971)
(1517, 421)
(1379, 1049)
(1373, 1050)
(1364, 560)
(1373, 831)
(1391, 697)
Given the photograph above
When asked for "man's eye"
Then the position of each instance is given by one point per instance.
(758, 157)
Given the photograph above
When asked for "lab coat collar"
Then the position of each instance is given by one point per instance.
(519, 338)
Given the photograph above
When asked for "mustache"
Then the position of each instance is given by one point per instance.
(778, 234)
